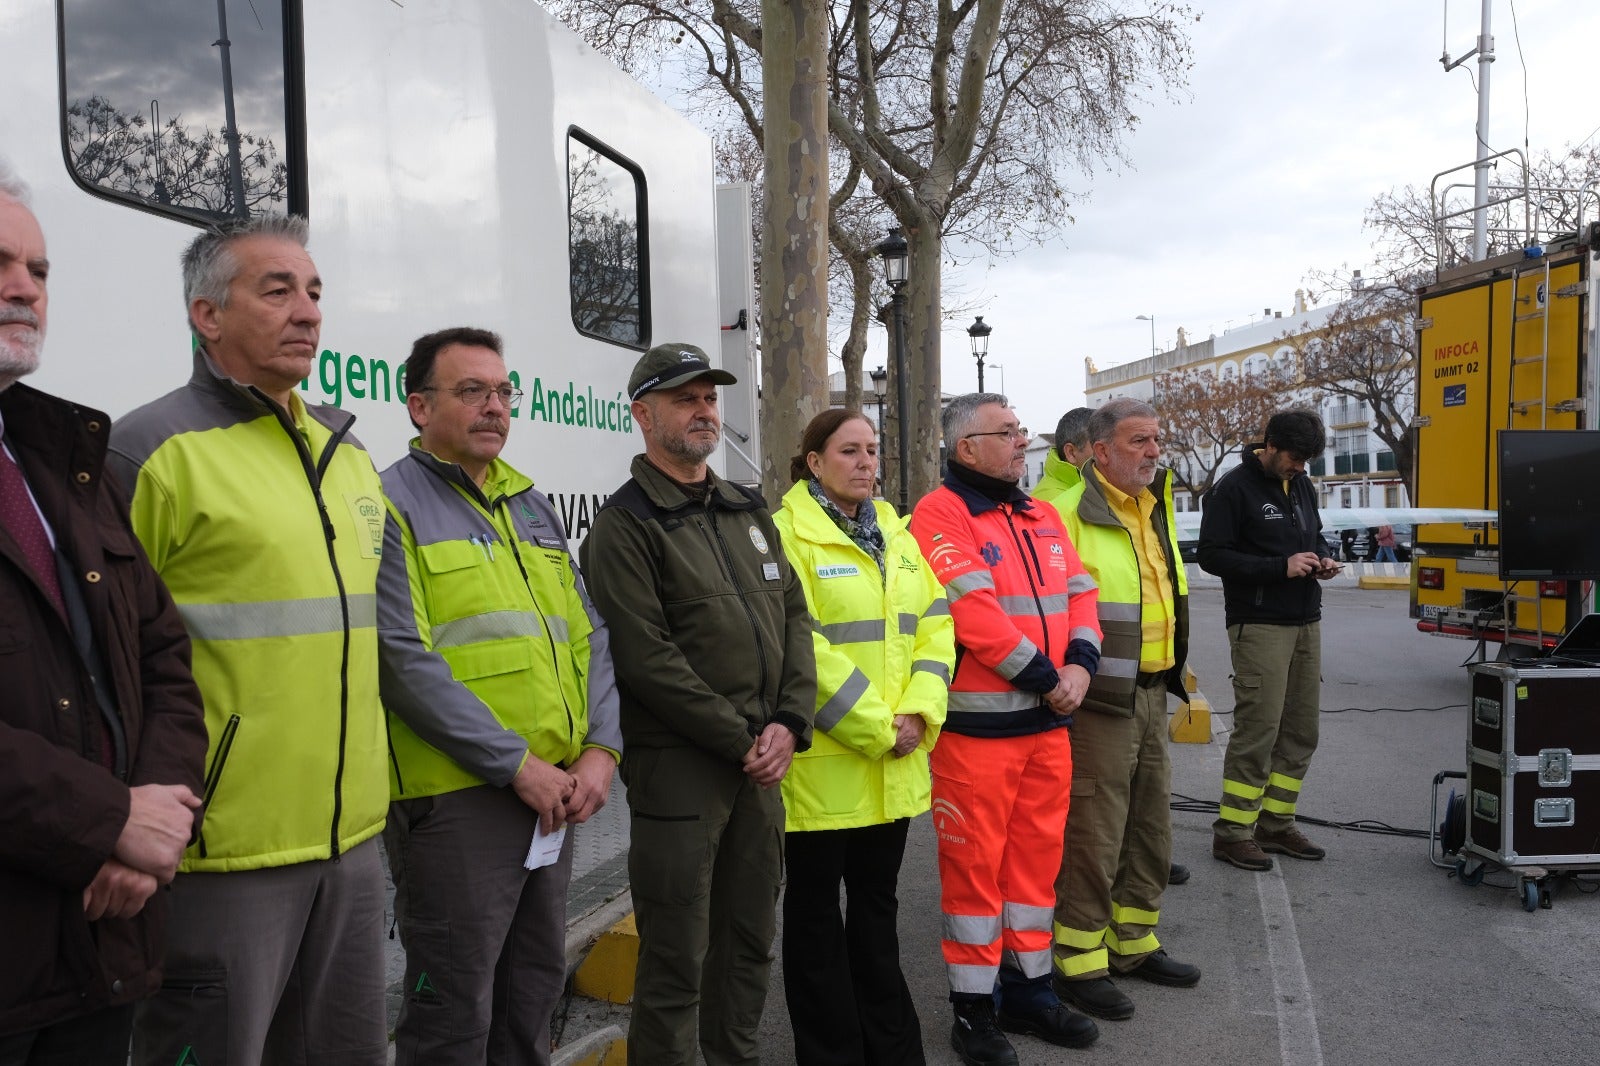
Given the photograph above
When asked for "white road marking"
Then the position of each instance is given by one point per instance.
(1291, 989)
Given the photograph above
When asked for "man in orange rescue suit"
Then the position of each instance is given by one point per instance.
(1027, 646)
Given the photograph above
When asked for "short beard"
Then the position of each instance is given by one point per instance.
(681, 447)
(19, 358)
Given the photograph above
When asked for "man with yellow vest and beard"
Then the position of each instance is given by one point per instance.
(1119, 839)
(496, 673)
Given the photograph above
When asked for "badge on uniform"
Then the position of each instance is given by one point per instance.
(769, 571)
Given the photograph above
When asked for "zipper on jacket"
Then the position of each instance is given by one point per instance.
(214, 773)
(1033, 586)
(314, 472)
(755, 628)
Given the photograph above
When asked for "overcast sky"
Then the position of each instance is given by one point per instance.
(1300, 114)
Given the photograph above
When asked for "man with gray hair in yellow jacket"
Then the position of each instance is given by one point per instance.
(1118, 850)
(264, 517)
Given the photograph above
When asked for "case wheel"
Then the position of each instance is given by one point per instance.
(1472, 877)
(1530, 896)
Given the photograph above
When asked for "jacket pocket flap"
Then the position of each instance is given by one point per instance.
(472, 661)
(448, 555)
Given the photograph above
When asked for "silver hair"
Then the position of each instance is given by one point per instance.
(12, 186)
(958, 416)
(1103, 423)
(209, 265)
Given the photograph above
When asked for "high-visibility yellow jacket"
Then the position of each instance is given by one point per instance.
(490, 648)
(266, 525)
(1106, 547)
(1060, 477)
(885, 645)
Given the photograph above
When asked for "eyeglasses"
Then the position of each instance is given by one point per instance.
(474, 395)
(1014, 433)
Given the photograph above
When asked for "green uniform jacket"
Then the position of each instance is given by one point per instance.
(1060, 477)
(709, 628)
(1106, 547)
(266, 525)
(489, 646)
(885, 645)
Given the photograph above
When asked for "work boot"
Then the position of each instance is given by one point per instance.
(1290, 842)
(1054, 1024)
(976, 1037)
(1097, 996)
(1160, 968)
(1177, 874)
(1245, 854)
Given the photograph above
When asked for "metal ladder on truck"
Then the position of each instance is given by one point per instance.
(1539, 311)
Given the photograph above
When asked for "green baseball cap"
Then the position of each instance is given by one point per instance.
(666, 366)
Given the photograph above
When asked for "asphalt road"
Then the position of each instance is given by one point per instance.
(1372, 956)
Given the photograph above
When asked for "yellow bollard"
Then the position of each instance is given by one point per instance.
(1192, 723)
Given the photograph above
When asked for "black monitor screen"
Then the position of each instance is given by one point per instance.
(1549, 503)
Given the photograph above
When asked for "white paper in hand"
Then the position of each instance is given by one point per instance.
(545, 849)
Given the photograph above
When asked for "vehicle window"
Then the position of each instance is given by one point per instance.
(181, 106)
(606, 240)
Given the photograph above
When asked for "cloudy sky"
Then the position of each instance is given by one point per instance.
(1300, 114)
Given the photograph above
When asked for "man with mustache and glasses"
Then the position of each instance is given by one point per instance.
(102, 736)
(717, 675)
(264, 516)
(1118, 847)
(502, 716)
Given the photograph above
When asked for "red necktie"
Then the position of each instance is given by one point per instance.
(18, 516)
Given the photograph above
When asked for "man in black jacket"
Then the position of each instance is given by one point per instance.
(1261, 534)
(102, 738)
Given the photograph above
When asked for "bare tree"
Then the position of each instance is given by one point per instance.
(963, 119)
(1364, 352)
(1206, 417)
(173, 164)
(1409, 240)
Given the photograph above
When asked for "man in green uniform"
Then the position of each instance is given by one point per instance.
(711, 640)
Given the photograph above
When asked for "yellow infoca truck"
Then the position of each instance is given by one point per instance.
(1504, 343)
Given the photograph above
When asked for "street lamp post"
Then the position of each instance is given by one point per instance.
(880, 388)
(978, 332)
(1152, 320)
(896, 259)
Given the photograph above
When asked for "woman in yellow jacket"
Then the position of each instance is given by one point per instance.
(885, 647)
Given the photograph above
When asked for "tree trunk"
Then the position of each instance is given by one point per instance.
(855, 344)
(794, 250)
(924, 317)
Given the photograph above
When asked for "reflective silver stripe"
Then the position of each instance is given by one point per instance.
(1018, 659)
(932, 666)
(939, 608)
(1015, 605)
(1080, 583)
(277, 618)
(477, 628)
(1028, 918)
(1031, 963)
(1083, 633)
(1112, 611)
(908, 624)
(1112, 667)
(1054, 603)
(839, 704)
(960, 586)
(558, 628)
(972, 928)
(993, 702)
(971, 980)
(852, 632)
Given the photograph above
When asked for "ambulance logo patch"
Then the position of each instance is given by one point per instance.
(991, 554)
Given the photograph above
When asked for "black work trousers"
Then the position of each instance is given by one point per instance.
(848, 1001)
